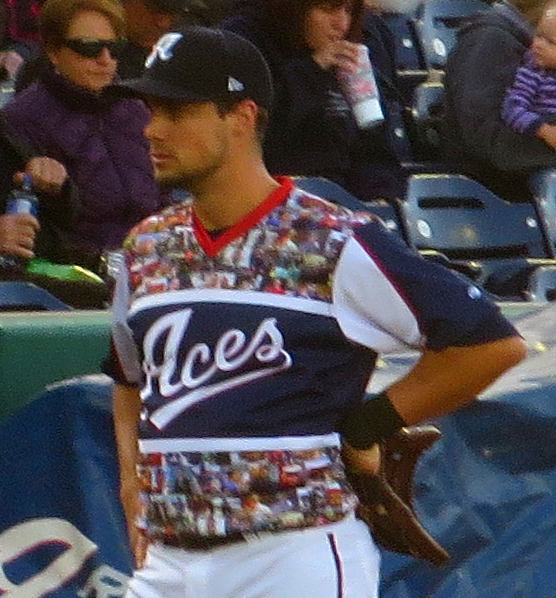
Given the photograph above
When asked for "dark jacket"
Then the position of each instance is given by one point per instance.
(312, 130)
(100, 141)
(57, 213)
(479, 71)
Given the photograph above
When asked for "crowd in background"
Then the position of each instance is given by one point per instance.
(89, 161)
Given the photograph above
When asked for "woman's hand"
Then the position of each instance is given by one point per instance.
(17, 234)
(11, 61)
(338, 54)
(48, 175)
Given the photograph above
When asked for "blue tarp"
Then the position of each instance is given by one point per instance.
(485, 490)
(62, 531)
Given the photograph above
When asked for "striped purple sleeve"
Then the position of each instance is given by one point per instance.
(519, 108)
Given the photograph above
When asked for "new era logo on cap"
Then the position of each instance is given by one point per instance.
(235, 85)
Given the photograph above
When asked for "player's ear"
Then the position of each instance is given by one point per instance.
(244, 117)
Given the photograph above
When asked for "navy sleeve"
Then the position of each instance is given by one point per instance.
(450, 310)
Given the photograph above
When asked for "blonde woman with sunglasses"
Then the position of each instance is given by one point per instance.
(68, 115)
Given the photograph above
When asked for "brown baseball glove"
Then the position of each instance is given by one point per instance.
(386, 499)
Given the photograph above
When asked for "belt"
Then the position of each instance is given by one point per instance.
(192, 542)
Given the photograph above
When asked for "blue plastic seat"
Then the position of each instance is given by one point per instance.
(24, 296)
(543, 186)
(437, 23)
(408, 52)
(427, 111)
(460, 217)
(463, 220)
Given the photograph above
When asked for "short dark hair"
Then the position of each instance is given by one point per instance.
(56, 17)
(285, 20)
(263, 115)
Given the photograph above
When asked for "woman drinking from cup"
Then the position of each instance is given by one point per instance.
(313, 129)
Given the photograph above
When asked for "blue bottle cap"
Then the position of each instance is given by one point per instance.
(27, 184)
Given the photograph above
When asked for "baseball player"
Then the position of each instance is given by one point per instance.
(247, 321)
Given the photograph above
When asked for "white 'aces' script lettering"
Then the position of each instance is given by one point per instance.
(193, 384)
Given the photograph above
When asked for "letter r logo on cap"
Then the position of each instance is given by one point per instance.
(163, 48)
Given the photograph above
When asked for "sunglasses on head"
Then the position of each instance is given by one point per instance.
(92, 48)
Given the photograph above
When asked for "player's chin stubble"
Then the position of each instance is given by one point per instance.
(187, 180)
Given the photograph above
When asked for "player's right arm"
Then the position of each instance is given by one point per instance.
(127, 406)
(398, 297)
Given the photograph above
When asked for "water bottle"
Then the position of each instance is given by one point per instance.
(23, 201)
(20, 201)
(361, 91)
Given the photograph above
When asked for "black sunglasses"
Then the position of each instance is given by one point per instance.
(92, 48)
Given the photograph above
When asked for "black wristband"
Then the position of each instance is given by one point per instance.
(371, 421)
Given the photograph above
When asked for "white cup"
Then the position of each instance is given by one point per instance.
(361, 91)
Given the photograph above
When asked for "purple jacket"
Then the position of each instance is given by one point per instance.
(531, 100)
(100, 141)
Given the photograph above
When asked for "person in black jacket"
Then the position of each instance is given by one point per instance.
(147, 20)
(312, 130)
(479, 71)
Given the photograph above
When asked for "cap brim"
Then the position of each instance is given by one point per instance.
(145, 87)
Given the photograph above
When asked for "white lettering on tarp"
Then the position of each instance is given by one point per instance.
(231, 352)
(104, 582)
(23, 538)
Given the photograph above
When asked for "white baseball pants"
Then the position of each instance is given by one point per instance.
(333, 561)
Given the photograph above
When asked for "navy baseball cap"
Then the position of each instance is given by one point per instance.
(200, 64)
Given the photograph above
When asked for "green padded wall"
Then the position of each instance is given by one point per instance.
(39, 348)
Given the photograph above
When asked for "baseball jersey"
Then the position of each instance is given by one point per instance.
(248, 348)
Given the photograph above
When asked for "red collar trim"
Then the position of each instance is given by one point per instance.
(213, 246)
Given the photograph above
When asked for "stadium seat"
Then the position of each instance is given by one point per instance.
(408, 53)
(460, 217)
(427, 110)
(543, 186)
(24, 296)
(437, 23)
(463, 220)
(542, 284)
